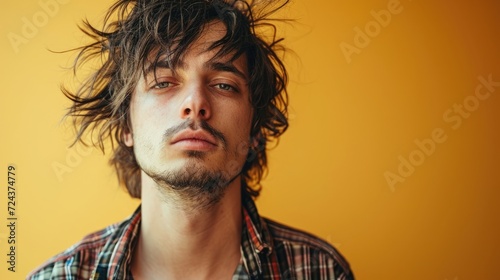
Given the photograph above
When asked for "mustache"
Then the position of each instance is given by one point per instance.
(170, 132)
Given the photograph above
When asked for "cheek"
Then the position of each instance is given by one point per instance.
(150, 114)
(241, 122)
(242, 149)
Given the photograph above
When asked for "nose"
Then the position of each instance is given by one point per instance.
(196, 104)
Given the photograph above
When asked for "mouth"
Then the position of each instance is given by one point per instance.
(194, 140)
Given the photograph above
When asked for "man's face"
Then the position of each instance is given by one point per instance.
(191, 127)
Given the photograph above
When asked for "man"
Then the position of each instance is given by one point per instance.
(191, 95)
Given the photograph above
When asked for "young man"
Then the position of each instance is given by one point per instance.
(191, 95)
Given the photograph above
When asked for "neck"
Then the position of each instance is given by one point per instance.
(179, 241)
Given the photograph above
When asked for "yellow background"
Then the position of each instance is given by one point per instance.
(350, 123)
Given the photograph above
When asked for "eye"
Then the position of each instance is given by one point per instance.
(162, 85)
(225, 87)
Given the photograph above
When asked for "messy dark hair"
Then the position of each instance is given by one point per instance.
(135, 29)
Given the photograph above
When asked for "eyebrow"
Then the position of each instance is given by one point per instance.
(161, 64)
(225, 67)
(212, 65)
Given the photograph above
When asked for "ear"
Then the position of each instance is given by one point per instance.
(255, 141)
(128, 139)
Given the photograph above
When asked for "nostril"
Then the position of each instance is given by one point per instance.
(187, 111)
(202, 112)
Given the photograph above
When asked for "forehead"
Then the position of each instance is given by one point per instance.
(203, 49)
(212, 32)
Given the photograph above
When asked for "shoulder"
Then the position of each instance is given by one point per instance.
(78, 260)
(307, 252)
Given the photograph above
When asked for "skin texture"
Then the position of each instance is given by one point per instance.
(190, 130)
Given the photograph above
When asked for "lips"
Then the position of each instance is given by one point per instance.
(194, 138)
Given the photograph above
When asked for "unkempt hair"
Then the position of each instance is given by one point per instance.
(133, 30)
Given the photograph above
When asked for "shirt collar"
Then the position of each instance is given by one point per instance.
(256, 239)
(114, 260)
(259, 234)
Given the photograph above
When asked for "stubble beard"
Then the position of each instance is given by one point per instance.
(192, 186)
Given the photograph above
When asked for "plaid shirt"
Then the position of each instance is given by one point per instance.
(269, 250)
